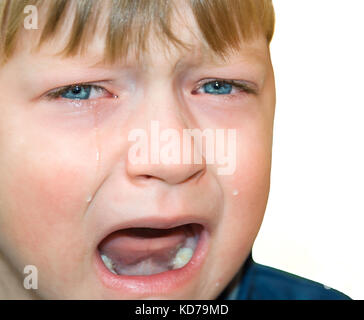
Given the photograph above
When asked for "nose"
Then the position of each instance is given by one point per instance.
(168, 154)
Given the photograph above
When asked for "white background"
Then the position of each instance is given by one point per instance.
(314, 223)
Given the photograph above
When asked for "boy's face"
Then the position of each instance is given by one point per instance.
(68, 182)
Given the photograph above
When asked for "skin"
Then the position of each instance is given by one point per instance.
(55, 154)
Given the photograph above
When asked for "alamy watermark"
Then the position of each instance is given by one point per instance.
(31, 280)
(31, 20)
(220, 147)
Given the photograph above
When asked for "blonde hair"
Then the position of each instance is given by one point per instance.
(222, 23)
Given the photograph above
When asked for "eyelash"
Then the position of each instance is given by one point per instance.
(239, 85)
(57, 93)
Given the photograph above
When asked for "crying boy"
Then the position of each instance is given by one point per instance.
(74, 203)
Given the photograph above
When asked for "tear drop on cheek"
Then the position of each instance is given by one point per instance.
(235, 192)
(94, 132)
(76, 104)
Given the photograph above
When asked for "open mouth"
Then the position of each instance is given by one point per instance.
(149, 251)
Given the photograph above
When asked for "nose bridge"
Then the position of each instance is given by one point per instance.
(164, 120)
(163, 107)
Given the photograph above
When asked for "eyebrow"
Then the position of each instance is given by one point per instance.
(205, 56)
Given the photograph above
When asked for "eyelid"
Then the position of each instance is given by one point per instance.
(242, 85)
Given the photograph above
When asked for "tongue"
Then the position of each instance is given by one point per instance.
(144, 251)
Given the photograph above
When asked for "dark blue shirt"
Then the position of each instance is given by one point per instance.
(259, 282)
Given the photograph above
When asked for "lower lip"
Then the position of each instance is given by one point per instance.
(157, 284)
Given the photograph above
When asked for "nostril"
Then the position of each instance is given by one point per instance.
(146, 177)
(168, 174)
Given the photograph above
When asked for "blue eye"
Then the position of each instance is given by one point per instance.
(80, 92)
(217, 87)
(77, 93)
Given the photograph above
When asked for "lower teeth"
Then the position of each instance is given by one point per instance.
(183, 256)
(108, 263)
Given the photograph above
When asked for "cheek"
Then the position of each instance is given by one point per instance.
(46, 197)
(249, 186)
(45, 183)
(246, 191)
(245, 198)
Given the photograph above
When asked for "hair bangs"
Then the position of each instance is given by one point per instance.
(223, 24)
